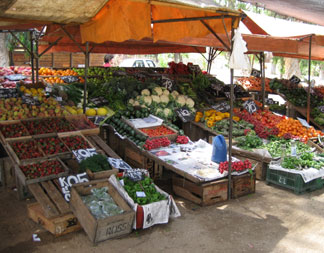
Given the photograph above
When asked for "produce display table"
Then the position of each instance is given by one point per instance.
(185, 184)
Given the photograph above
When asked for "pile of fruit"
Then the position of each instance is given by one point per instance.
(34, 92)
(102, 111)
(182, 139)
(178, 68)
(52, 145)
(82, 123)
(157, 143)
(295, 129)
(75, 142)
(13, 130)
(52, 72)
(26, 149)
(157, 131)
(42, 169)
(236, 166)
(253, 83)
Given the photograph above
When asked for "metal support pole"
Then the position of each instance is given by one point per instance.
(231, 122)
(309, 81)
(32, 55)
(86, 66)
(37, 60)
(262, 78)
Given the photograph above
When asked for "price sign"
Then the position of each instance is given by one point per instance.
(16, 77)
(59, 99)
(222, 107)
(70, 79)
(167, 83)
(48, 89)
(294, 79)
(100, 120)
(140, 194)
(99, 101)
(250, 106)
(228, 95)
(303, 122)
(256, 73)
(270, 101)
(82, 154)
(321, 108)
(118, 164)
(184, 114)
(67, 182)
(135, 174)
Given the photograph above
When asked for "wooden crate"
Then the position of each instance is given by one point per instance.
(58, 226)
(134, 158)
(101, 174)
(11, 122)
(49, 196)
(26, 181)
(17, 160)
(63, 155)
(312, 143)
(78, 133)
(92, 129)
(103, 229)
(204, 194)
(243, 185)
(7, 172)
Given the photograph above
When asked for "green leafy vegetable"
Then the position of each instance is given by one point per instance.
(95, 163)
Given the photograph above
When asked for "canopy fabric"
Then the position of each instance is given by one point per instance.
(121, 20)
(307, 10)
(144, 46)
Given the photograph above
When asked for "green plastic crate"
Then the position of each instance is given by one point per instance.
(293, 181)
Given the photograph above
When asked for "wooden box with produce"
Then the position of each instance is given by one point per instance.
(41, 171)
(243, 185)
(24, 152)
(152, 205)
(75, 141)
(13, 130)
(202, 194)
(97, 167)
(117, 224)
(83, 124)
(53, 147)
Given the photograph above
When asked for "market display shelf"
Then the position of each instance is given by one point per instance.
(293, 181)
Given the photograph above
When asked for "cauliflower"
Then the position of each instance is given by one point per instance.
(190, 103)
(164, 99)
(181, 100)
(138, 97)
(167, 112)
(157, 91)
(145, 92)
(166, 92)
(156, 99)
(131, 101)
(159, 112)
(136, 103)
(174, 94)
(148, 100)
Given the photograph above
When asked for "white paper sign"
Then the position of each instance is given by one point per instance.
(118, 163)
(82, 154)
(67, 182)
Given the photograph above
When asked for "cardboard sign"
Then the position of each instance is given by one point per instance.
(82, 154)
(67, 182)
(222, 107)
(135, 174)
(167, 83)
(29, 100)
(321, 108)
(228, 95)
(303, 122)
(250, 106)
(99, 101)
(184, 114)
(256, 73)
(294, 79)
(270, 101)
(100, 120)
(70, 79)
(118, 164)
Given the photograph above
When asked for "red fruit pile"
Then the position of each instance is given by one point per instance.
(46, 168)
(157, 143)
(13, 130)
(59, 125)
(236, 166)
(52, 145)
(264, 122)
(178, 68)
(75, 142)
(36, 127)
(157, 131)
(182, 139)
(26, 149)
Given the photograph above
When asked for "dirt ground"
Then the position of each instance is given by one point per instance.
(271, 220)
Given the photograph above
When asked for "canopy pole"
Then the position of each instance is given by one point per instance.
(231, 122)
(262, 78)
(32, 55)
(189, 19)
(309, 74)
(37, 59)
(50, 46)
(71, 37)
(85, 76)
(23, 45)
(215, 34)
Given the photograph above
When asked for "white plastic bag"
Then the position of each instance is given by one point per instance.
(238, 59)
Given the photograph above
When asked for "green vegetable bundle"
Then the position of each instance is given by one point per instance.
(147, 186)
(275, 147)
(95, 163)
(306, 160)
